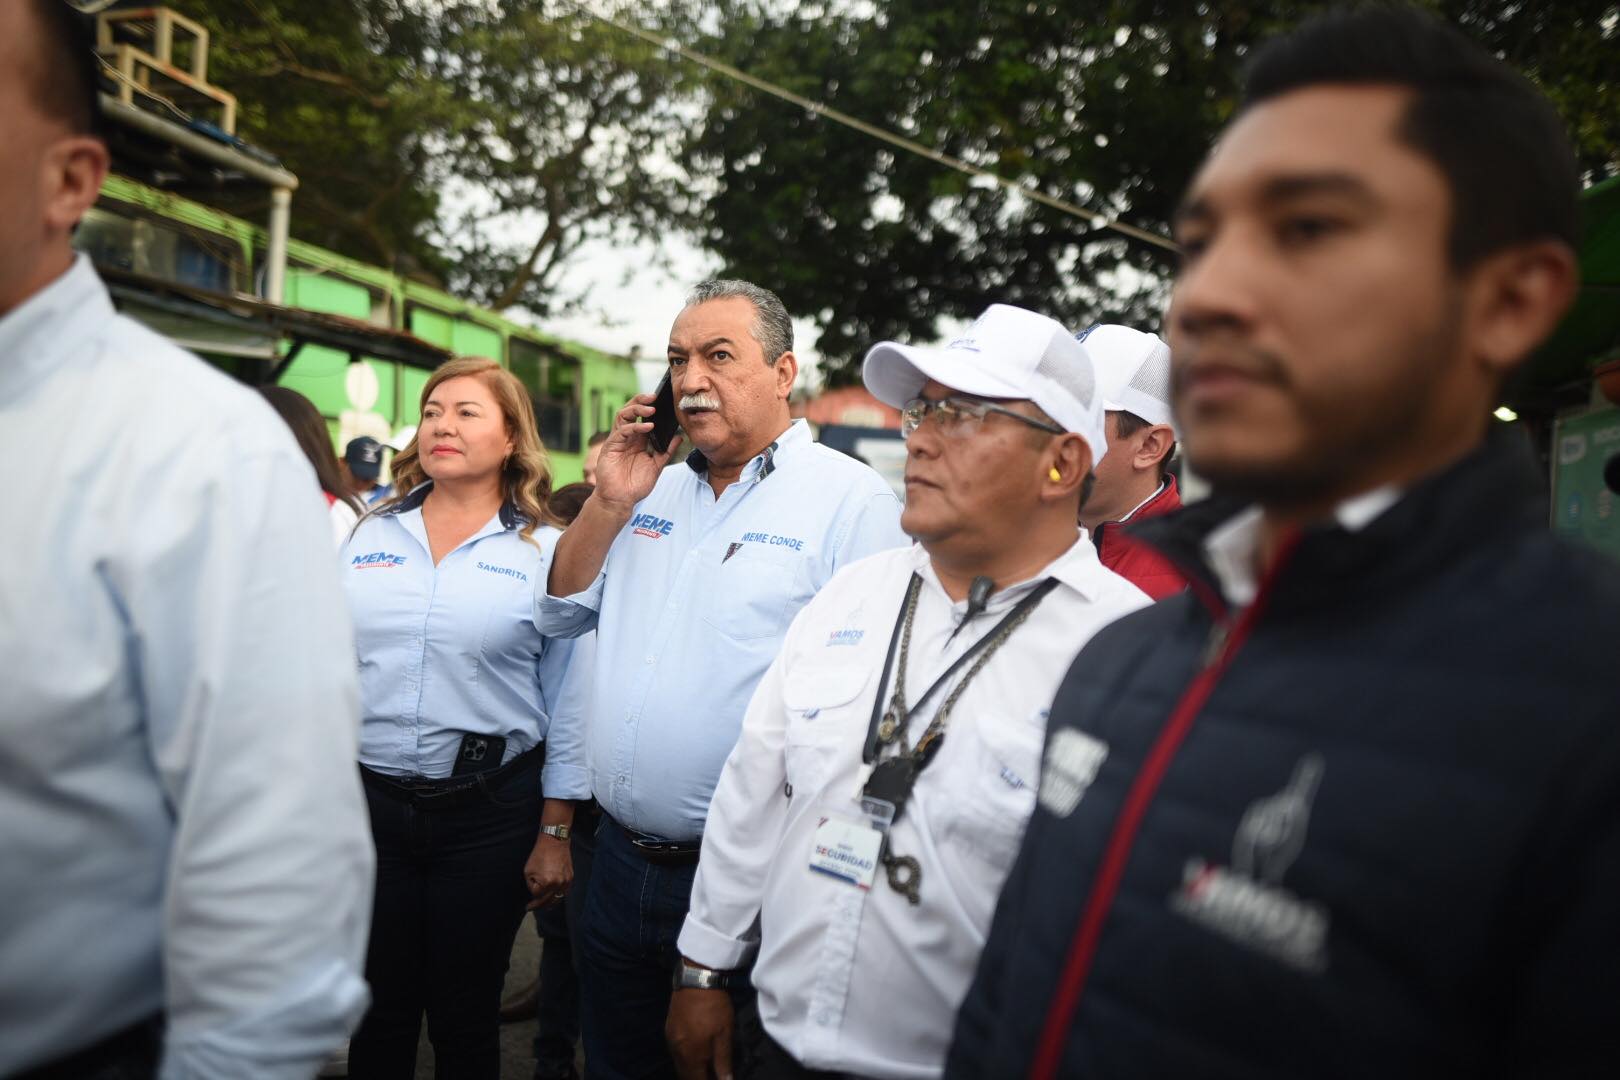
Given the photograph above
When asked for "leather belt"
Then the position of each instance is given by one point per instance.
(658, 851)
(448, 792)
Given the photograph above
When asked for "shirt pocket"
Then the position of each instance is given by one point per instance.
(749, 593)
(825, 722)
(1004, 757)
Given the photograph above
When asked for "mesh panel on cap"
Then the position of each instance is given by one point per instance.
(1153, 377)
(1061, 364)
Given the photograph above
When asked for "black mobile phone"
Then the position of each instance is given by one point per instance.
(665, 425)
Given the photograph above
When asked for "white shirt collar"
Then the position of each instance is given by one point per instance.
(1153, 495)
(1233, 547)
(51, 323)
(1078, 568)
(765, 462)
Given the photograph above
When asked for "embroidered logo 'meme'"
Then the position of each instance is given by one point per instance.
(651, 526)
(377, 560)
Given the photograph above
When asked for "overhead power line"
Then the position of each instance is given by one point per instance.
(911, 146)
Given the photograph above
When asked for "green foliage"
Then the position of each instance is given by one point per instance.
(470, 143)
(337, 89)
(565, 137)
(1111, 106)
(478, 143)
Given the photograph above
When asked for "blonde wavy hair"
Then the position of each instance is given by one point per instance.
(526, 477)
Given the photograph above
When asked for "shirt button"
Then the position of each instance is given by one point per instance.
(651, 659)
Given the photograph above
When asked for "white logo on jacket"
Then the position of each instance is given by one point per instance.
(1246, 902)
(1072, 761)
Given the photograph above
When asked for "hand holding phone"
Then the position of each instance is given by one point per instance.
(645, 433)
(665, 424)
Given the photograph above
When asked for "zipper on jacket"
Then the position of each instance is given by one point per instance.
(1226, 638)
(1220, 632)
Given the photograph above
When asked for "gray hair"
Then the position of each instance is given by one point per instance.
(773, 328)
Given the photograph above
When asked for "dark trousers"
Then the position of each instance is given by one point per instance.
(556, 1028)
(633, 914)
(450, 896)
(757, 1056)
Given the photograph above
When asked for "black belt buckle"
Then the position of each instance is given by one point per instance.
(478, 754)
(660, 852)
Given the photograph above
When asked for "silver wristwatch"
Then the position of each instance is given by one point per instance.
(692, 977)
(561, 832)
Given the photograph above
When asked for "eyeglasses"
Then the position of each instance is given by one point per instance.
(960, 417)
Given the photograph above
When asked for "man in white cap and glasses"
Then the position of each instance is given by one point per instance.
(1133, 478)
(865, 821)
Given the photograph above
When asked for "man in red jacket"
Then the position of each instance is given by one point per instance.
(1132, 478)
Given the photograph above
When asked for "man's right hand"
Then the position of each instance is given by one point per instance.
(628, 468)
(699, 1033)
(626, 472)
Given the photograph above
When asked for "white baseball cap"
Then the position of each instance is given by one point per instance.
(1133, 369)
(1007, 353)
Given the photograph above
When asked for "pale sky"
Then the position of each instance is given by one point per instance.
(632, 302)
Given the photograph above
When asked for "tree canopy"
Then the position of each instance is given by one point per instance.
(472, 144)
(1109, 106)
(479, 143)
(339, 91)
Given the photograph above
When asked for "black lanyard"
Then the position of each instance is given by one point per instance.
(870, 751)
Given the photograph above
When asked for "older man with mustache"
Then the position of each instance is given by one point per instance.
(690, 576)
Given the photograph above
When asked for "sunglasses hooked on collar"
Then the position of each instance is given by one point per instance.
(961, 416)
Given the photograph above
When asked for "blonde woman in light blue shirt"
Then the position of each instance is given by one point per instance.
(469, 743)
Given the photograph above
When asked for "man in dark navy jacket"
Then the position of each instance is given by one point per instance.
(1351, 806)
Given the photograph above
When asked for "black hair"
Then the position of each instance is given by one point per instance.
(1501, 146)
(568, 500)
(67, 72)
(309, 428)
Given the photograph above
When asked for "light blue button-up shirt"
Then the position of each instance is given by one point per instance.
(451, 649)
(182, 829)
(691, 607)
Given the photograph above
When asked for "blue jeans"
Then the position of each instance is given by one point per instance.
(633, 914)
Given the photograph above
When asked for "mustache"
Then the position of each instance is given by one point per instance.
(697, 401)
(1258, 364)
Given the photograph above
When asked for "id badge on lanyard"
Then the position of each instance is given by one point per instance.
(848, 841)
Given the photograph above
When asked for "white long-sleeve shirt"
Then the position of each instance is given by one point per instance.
(861, 981)
(181, 823)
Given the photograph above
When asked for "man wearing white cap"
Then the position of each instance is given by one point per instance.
(865, 821)
(1133, 481)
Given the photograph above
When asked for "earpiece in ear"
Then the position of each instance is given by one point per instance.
(1057, 477)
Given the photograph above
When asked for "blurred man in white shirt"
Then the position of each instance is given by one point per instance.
(187, 874)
